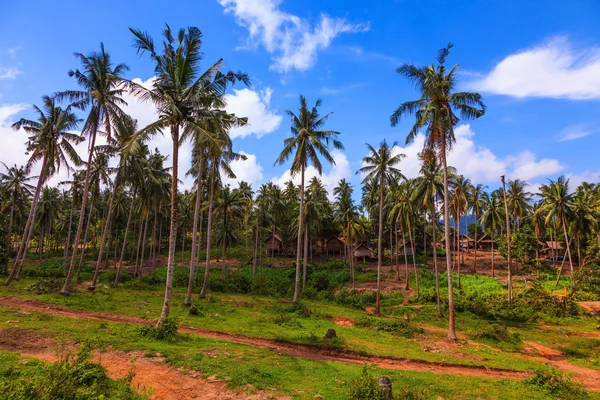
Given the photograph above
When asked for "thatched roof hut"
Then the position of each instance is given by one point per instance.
(486, 242)
(334, 245)
(363, 251)
(274, 242)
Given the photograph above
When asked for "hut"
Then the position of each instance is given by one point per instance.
(334, 245)
(452, 241)
(274, 243)
(486, 242)
(401, 247)
(363, 251)
(466, 242)
(553, 249)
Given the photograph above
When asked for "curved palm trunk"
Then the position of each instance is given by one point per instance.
(68, 244)
(188, 297)
(451, 324)
(144, 237)
(137, 251)
(66, 289)
(105, 230)
(173, 229)
(564, 224)
(10, 222)
(379, 248)
(458, 245)
(208, 236)
(299, 244)
(85, 240)
(22, 253)
(412, 246)
(562, 264)
(129, 217)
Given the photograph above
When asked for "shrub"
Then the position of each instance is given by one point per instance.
(365, 388)
(167, 331)
(45, 285)
(557, 385)
(393, 326)
(499, 333)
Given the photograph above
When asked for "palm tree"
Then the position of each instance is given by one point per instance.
(48, 211)
(346, 214)
(307, 142)
(492, 217)
(518, 201)
(557, 202)
(15, 184)
(584, 214)
(380, 167)
(50, 141)
(101, 91)
(229, 208)
(179, 93)
(476, 205)
(459, 205)
(435, 110)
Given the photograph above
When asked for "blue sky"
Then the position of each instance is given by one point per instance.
(538, 68)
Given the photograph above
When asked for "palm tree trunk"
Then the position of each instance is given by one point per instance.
(564, 224)
(397, 265)
(255, 250)
(224, 244)
(475, 253)
(188, 297)
(406, 287)
(68, 244)
(173, 229)
(298, 246)
(85, 240)
(183, 246)
(507, 241)
(457, 233)
(139, 245)
(10, 222)
(578, 250)
(129, 217)
(562, 265)
(493, 273)
(305, 260)
(22, 253)
(153, 246)
(105, 229)
(208, 234)
(66, 289)
(451, 324)
(144, 236)
(379, 248)
(435, 263)
(412, 245)
(391, 247)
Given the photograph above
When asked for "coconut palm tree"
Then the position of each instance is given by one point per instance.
(15, 184)
(180, 93)
(307, 142)
(380, 168)
(50, 142)
(229, 208)
(101, 91)
(459, 205)
(436, 111)
(492, 217)
(518, 201)
(475, 199)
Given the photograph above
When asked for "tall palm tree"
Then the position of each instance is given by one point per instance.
(492, 217)
(229, 209)
(380, 167)
(557, 202)
(518, 201)
(436, 111)
(459, 205)
(179, 92)
(101, 92)
(307, 142)
(476, 206)
(15, 184)
(51, 142)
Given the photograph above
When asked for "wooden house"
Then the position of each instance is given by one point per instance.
(452, 241)
(466, 242)
(553, 249)
(486, 242)
(363, 251)
(334, 245)
(274, 243)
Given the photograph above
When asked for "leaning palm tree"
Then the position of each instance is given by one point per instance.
(307, 142)
(380, 168)
(50, 141)
(179, 92)
(435, 111)
(101, 92)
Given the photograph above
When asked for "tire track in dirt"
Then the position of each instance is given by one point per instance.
(313, 352)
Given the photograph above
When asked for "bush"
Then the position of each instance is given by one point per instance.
(48, 269)
(74, 377)
(45, 285)
(557, 385)
(393, 326)
(167, 331)
(499, 333)
(365, 388)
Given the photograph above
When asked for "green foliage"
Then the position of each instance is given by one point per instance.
(166, 331)
(394, 326)
(73, 378)
(557, 385)
(498, 333)
(5, 252)
(46, 285)
(49, 269)
(522, 245)
(365, 388)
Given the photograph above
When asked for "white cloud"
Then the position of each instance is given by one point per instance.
(9, 73)
(575, 132)
(554, 69)
(292, 41)
(254, 106)
(330, 178)
(586, 176)
(248, 170)
(13, 146)
(479, 163)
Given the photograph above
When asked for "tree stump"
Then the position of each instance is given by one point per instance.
(385, 385)
(331, 334)
(193, 310)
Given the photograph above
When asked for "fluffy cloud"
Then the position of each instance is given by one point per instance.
(292, 41)
(554, 69)
(9, 73)
(248, 170)
(254, 106)
(479, 163)
(586, 176)
(330, 178)
(13, 142)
